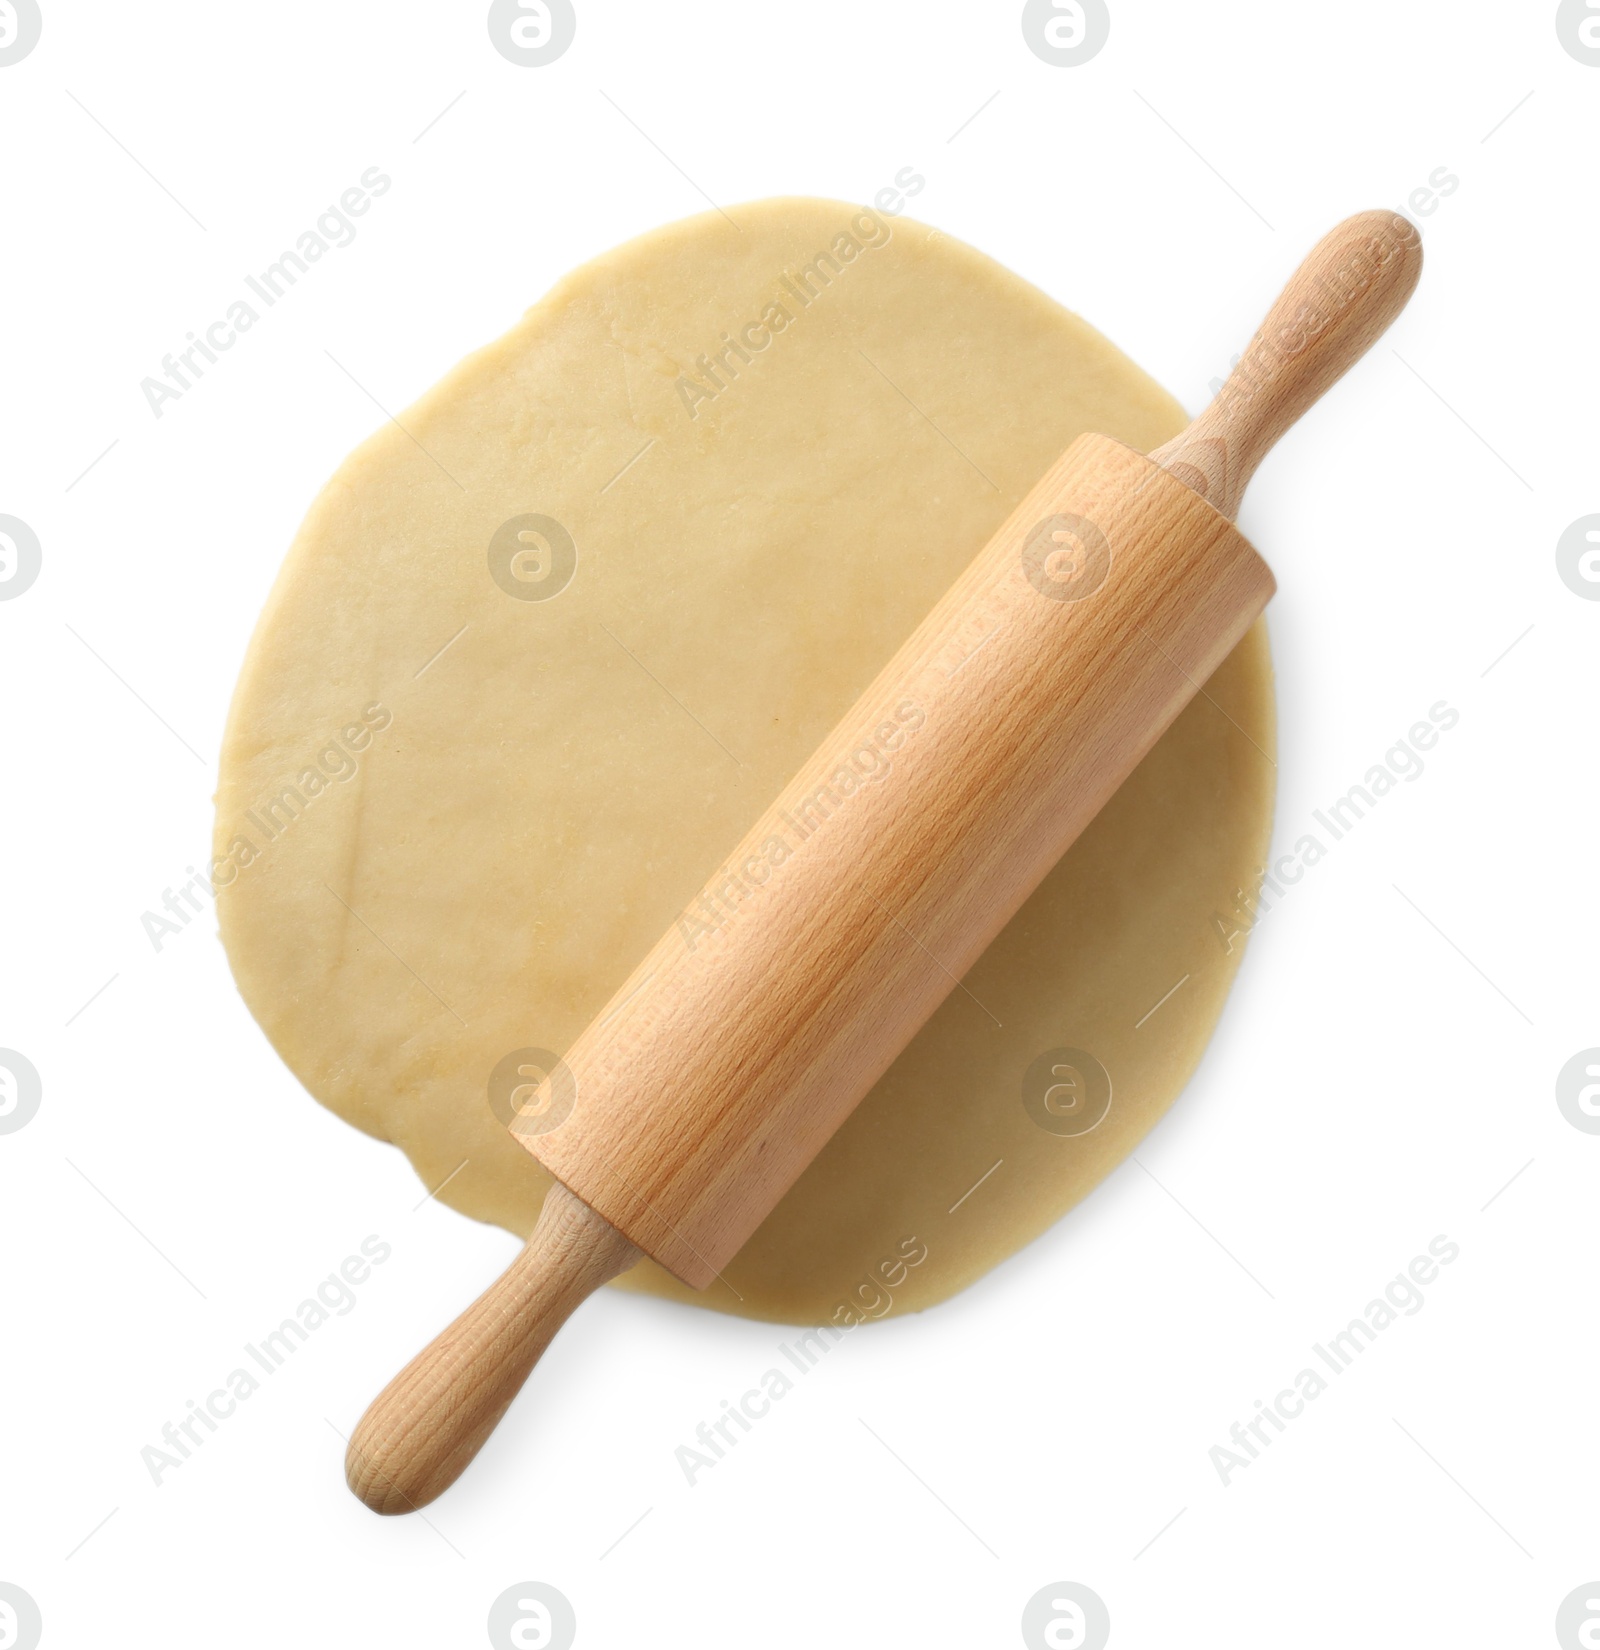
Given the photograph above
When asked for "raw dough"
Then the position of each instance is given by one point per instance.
(451, 819)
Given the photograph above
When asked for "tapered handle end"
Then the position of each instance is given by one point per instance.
(422, 1431)
(1340, 301)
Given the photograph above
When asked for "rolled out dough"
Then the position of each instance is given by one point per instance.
(544, 648)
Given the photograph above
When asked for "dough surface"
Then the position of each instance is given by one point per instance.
(469, 776)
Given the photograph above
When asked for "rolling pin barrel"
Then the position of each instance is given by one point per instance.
(856, 902)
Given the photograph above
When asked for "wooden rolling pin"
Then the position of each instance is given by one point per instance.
(829, 935)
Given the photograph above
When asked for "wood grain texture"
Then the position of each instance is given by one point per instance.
(864, 893)
(422, 1430)
(1352, 285)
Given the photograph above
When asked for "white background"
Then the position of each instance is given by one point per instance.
(1386, 1068)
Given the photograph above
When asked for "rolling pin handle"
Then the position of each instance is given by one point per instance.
(424, 1428)
(1337, 304)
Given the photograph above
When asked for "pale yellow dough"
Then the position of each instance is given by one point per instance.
(520, 815)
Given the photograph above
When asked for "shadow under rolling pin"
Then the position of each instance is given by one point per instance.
(1015, 710)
